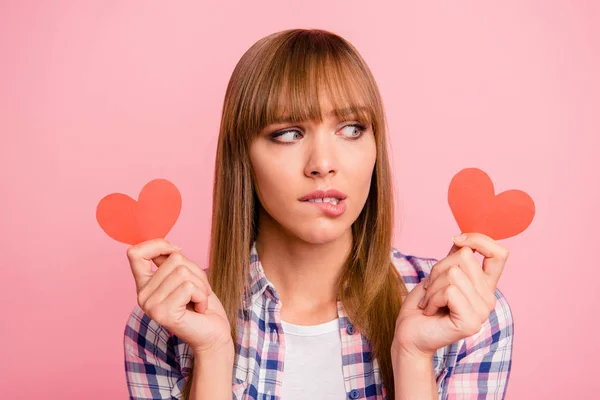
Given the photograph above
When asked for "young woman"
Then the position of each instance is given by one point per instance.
(305, 297)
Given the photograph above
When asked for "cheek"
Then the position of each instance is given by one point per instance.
(359, 165)
(270, 171)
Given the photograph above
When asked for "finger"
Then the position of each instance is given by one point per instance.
(462, 256)
(140, 256)
(175, 260)
(494, 254)
(438, 300)
(466, 260)
(471, 267)
(457, 277)
(149, 297)
(461, 318)
(159, 260)
(416, 294)
(165, 312)
(183, 295)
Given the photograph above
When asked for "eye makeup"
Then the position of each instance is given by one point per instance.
(359, 126)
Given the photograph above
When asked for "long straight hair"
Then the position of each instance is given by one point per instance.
(284, 74)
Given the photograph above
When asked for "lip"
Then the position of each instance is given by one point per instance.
(333, 210)
(321, 194)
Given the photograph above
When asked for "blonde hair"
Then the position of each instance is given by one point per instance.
(283, 74)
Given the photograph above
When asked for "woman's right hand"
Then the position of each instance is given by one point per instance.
(165, 296)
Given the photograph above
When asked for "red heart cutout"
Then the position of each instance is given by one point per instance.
(151, 216)
(477, 209)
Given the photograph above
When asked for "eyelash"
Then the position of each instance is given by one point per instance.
(362, 128)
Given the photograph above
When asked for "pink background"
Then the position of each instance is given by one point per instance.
(104, 96)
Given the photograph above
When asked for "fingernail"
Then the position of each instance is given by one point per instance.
(460, 238)
(425, 283)
(176, 247)
(422, 303)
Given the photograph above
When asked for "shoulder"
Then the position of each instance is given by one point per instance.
(413, 269)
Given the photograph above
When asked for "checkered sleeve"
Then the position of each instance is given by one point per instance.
(151, 365)
(484, 360)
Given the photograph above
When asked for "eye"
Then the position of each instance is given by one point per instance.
(288, 136)
(355, 131)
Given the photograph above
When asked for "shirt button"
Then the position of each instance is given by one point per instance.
(353, 393)
(350, 330)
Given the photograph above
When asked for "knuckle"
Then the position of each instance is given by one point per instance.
(505, 253)
(141, 301)
(465, 252)
(177, 257)
(451, 290)
(141, 298)
(196, 270)
(150, 307)
(188, 286)
(205, 288)
(158, 313)
(209, 289)
(182, 271)
(453, 273)
(132, 251)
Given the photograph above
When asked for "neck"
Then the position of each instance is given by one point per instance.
(304, 274)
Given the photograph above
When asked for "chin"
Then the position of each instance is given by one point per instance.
(309, 229)
(319, 234)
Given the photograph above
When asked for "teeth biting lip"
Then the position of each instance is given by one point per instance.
(319, 195)
(330, 206)
(331, 200)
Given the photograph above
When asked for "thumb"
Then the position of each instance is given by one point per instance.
(414, 297)
(214, 304)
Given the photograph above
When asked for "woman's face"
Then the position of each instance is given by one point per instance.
(291, 160)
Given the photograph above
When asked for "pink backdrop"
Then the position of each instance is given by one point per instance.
(104, 96)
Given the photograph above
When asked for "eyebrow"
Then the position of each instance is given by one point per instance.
(340, 111)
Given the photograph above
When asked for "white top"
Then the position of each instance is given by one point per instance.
(313, 362)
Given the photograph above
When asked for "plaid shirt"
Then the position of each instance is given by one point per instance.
(157, 363)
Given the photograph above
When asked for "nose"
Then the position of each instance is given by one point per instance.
(321, 157)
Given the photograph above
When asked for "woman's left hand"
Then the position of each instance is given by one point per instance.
(454, 301)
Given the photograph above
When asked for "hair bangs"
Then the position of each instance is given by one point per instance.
(311, 81)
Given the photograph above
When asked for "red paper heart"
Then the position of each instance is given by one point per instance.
(477, 209)
(151, 216)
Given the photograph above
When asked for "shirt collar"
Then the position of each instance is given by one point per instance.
(257, 280)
